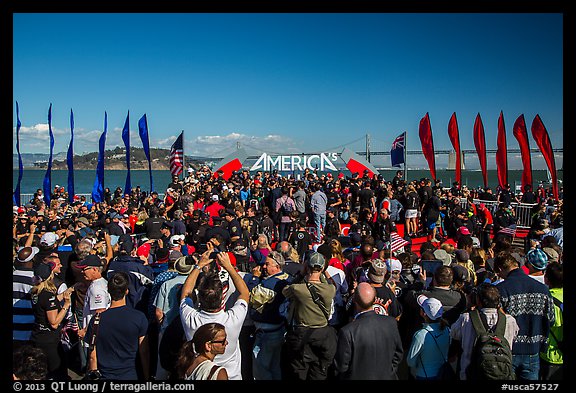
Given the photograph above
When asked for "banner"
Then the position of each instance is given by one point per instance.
(16, 195)
(455, 139)
(143, 131)
(501, 153)
(357, 164)
(397, 152)
(425, 131)
(70, 160)
(98, 187)
(47, 184)
(480, 144)
(521, 136)
(126, 139)
(542, 139)
(229, 164)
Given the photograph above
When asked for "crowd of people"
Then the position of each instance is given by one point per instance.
(255, 278)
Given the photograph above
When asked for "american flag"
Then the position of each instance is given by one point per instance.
(177, 156)
(396, 242)
(511, 230)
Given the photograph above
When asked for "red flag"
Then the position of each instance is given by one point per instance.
(501, 153)
(428, 144)
(480, 143)
(455, 139)
(542, 139)
(521, 136)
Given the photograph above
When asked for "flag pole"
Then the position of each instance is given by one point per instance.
(405, 153)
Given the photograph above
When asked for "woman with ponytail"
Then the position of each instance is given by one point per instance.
(196, 359)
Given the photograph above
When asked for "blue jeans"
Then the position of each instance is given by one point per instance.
(526, 367)
(266, 355)
(320, 222)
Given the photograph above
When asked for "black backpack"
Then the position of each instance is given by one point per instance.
(286, 208)
(491, 356)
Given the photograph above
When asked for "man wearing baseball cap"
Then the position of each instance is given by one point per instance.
(386, 302)
(140, 273)
(428, 352)
(308, 332)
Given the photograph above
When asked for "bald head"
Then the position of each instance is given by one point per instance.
(364, 296)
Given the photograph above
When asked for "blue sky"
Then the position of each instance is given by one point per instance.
(285, 82)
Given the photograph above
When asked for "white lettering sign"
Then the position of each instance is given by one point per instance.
(322, 161)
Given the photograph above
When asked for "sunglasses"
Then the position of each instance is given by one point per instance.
(225, 341)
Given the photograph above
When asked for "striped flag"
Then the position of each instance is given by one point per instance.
(396, 242)
(511, 230)
(177, 156)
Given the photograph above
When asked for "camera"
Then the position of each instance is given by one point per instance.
(213, 254)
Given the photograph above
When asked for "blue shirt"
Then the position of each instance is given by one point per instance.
(426, 356)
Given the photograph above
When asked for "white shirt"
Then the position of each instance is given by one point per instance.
(232, 320)
(463, 331)
(97, 297)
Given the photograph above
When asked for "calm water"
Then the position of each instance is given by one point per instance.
(84, 179)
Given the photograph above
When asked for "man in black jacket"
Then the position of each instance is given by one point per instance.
(359, 355)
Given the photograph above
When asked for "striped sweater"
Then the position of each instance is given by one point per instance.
(22, 314)
(531, 304)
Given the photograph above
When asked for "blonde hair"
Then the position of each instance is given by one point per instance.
(336, 249)
(449, 248)
(47, 285)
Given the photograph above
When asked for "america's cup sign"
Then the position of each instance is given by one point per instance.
(322, 161)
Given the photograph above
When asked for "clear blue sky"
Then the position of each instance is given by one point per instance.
(285, 82)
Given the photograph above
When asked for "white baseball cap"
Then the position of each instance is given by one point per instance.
(215, 197)
(48, 239)
(432, 307)
(393, 264)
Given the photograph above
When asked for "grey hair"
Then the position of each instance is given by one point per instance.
(178, 214)
(83, 248)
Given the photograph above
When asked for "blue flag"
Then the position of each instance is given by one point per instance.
(70, 160)
(126, 139)
(47, 185)
(16, 195)
(143, 131)
(98, 188)
(397, 152)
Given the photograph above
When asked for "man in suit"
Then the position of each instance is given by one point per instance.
(359, 355)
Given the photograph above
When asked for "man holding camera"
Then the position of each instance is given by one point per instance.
(209, 299)
(310, 342)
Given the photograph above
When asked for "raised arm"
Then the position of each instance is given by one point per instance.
(224, 260)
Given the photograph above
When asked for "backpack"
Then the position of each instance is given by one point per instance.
(491, 355)
(286, 208)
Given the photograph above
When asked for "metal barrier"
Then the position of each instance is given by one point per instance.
(522, 211)
(25, 198)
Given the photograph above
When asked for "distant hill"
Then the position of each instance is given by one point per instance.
(114, 159)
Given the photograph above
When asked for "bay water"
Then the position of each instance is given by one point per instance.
(32, 179)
